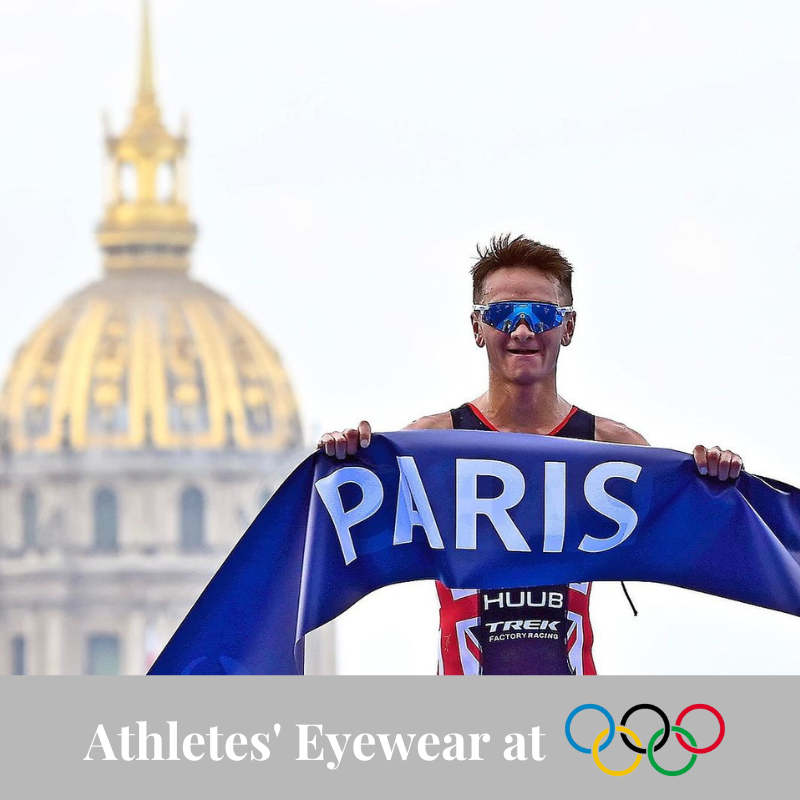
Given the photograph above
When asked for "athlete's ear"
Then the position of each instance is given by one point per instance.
(569, 329)
(476, 330)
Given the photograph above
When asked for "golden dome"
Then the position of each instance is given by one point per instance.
(137, 361)
(147, 357)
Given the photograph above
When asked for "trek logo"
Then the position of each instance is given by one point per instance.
(525, 625)
(414, 508)
(523, 629)
(661, 736)
(520, 598)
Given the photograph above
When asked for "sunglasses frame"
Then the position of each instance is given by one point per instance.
(480, 307)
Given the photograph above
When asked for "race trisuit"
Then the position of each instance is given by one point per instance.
(542, 630)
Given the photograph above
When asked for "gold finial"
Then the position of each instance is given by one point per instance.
(147, 224)
(147, 92)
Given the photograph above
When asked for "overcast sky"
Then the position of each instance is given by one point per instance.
(352, 153)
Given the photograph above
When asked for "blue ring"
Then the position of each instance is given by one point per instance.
(612, 728)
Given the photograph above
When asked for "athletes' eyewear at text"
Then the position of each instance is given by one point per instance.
(506, 316)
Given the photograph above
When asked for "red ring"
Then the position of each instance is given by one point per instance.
(682, 741)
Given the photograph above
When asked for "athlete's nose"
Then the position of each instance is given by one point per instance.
(523, 329)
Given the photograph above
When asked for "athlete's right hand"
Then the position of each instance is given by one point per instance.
(346, 443)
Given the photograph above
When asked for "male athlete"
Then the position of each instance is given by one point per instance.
(523, 316)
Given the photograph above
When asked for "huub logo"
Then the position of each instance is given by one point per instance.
(414, 508)
(521, 598)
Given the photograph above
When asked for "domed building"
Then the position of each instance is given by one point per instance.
(142, 426)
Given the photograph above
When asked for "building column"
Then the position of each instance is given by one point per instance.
(28, 629)
(320, 649)
(52, 641)
(134, 644)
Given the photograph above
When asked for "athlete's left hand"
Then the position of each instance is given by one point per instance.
(717, 463)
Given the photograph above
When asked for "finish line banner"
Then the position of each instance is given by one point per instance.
(482, 509)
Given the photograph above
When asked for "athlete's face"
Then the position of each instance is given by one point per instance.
(522, 356)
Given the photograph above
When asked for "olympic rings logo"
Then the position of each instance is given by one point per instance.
(663, 732)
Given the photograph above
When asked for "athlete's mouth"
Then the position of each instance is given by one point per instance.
(520, 352)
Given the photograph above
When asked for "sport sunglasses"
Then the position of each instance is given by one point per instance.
(506, 316)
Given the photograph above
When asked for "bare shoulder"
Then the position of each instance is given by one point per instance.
(606, 430)
(441, 421)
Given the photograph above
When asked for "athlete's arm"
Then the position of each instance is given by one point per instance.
(606, 430)
(712, 461)
(433, 422)
(346, 442)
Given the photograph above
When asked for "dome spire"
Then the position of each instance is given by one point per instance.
(147, 92)
(146, 224)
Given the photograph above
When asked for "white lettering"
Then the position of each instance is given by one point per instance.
(304, 742)
(173, 740)
(413, 507)
(536, 739)
(517, 750)
(469, 505)
(423, 743)
(125, 735)
(104, 745)
(503, 599)
(358, 746)
(344, 521)
(475, 745)
(338, 750)
(594, 489)
(456, 751)
(399, 744)
(188, 743)
(213, 737)
(143, 737)
(231, 744)
(262, 747)
(555, 505)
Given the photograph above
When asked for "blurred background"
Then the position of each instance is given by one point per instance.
(339, 162)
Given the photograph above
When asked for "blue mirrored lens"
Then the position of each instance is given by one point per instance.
(539, 317)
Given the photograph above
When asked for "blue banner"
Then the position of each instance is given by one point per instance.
(479, 509)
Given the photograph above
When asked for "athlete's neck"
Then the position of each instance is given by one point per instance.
(535, 408)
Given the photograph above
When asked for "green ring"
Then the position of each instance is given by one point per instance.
(661, 769)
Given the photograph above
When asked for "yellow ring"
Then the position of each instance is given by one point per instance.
(596, 749)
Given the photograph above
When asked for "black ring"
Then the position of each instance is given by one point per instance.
(664, 719)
